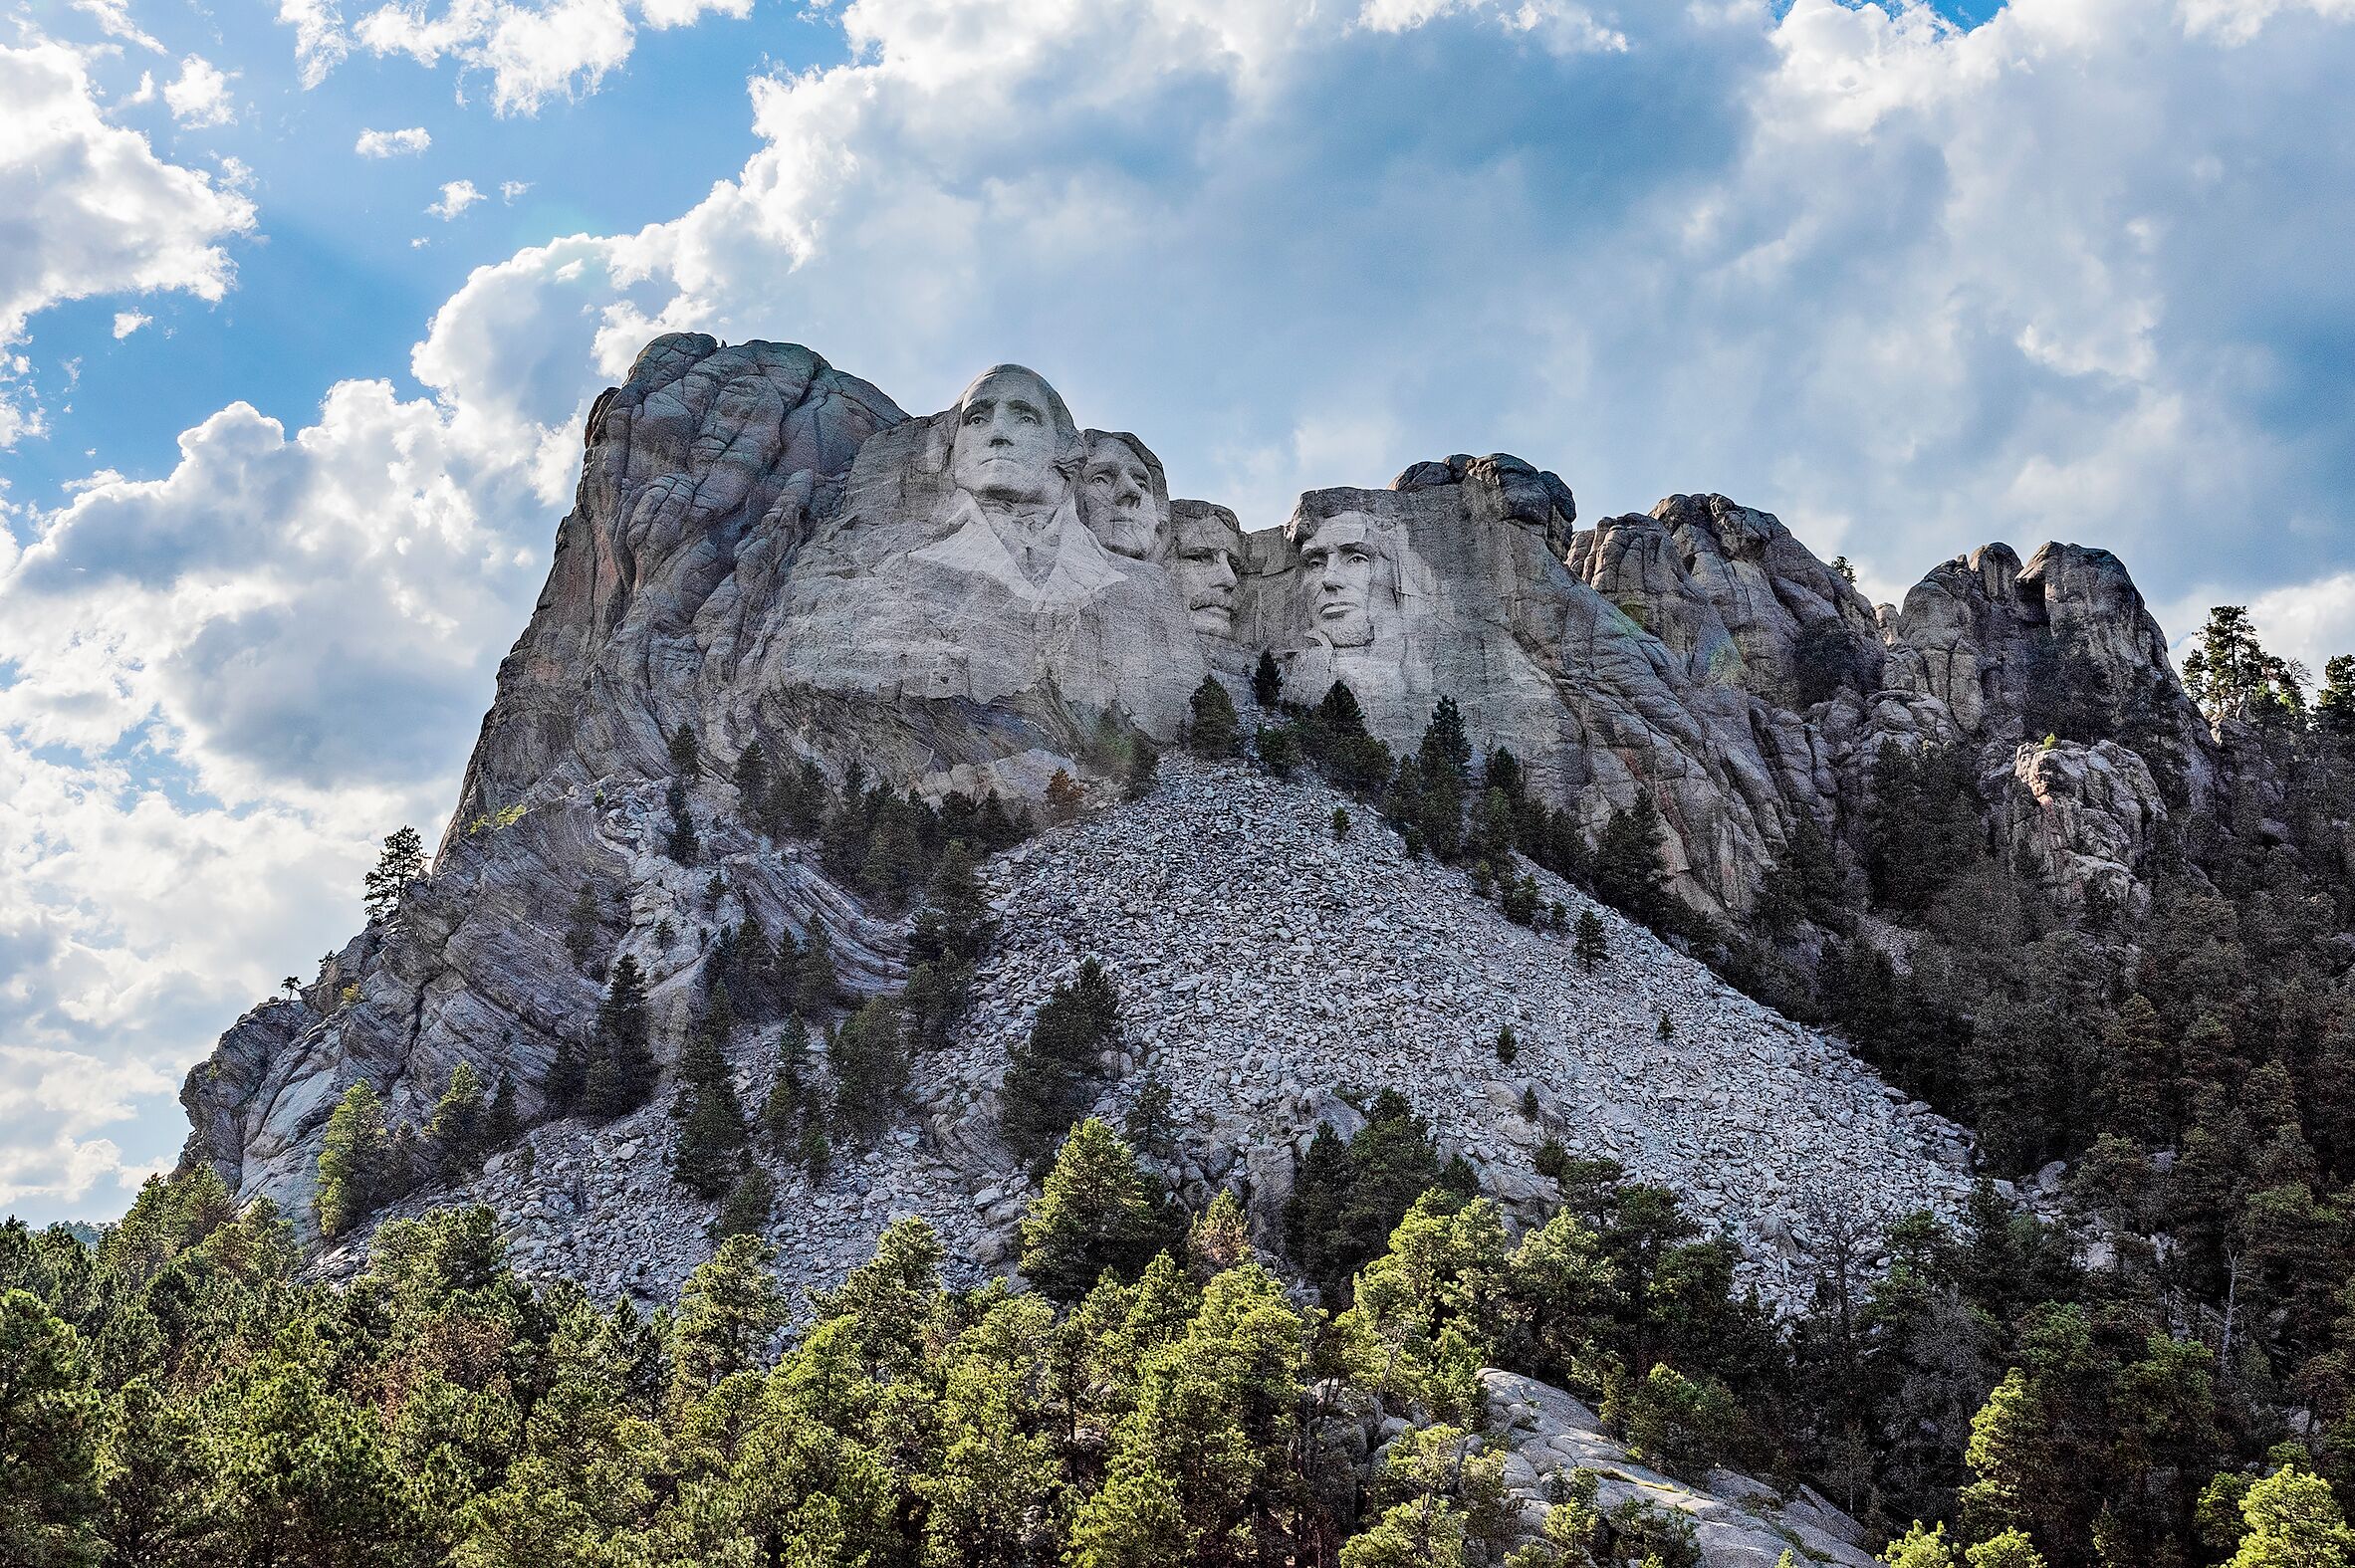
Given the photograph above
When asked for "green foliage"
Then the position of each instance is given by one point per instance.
(1333, 736)
(730, 1308)
(460, 1132)
(752, 773)
(356, 1172)
(621, 1069)
(584, 925)
(1213, 731)
(683, 843)
(2293, 1522)
(1593, 944)
(49, 1423)
(1095, 1214)
(1924, 823)
(1050, 1077)
(1267, 682)
(401, 862)
(818, 989)
(1630, 869)
(1347, 1197)
(711, 1137)
(870, 1066)
(1144, 769)
(2231, 676)
(1341, 822)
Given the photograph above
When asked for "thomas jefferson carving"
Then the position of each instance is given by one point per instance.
(1124, 496)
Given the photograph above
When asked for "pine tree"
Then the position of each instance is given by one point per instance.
(566, 1082)
(1446, 752)
(354, 1158)
(2335, 705)
(1049, 1078)
(1593, 944)
(789, 1093)
(2137, 1068)
(683, 845)
(1064, 798)
(1267, 682)
(2293, 1522)
(1507, 1046)
(686, 756)
(1213, 732)
(48, 1420)
(893, 860)
(1341, 822)
(728, 1310)
(871, 1067)
(1504, 773)
(1144, 769)
(621, 1066)
(503, 1124)
(955, 925)
(752, 779)
(1151, 1124)
(750, 1200)
(818, 989)
(814, 1151)
(1278, 749)
(1629, 871)
(401, 862)
(155, 1470)
(584, 925)
(1094, 1214)
(711, 1137)
(456, 1131)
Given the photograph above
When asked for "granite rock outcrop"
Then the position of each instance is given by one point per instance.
(766, 549)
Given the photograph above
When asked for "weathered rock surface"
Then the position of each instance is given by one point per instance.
(1266, 972)
(763, 546)
(1737, 1523)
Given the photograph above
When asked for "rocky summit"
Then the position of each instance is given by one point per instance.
(769, 568)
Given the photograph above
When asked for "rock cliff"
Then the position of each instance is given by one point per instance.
(764, 549)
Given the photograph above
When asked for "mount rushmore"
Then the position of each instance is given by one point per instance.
(768, 548)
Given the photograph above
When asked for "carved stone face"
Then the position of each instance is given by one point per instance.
(1007, 441)
(1339, 560)
(1205, 568)
(1116, 498)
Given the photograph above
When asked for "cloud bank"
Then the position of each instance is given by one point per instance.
(2074, 272)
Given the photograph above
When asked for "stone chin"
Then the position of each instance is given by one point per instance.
(1345, 624)
(1129, 534)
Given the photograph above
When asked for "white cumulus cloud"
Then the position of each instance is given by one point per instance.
(92, 210)
(129, 322)
(456, 197)
(201, 94)
(392, 143)
(534, 51)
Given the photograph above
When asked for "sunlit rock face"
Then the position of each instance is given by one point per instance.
(764, 548)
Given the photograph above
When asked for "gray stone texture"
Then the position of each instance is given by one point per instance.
(763, 546)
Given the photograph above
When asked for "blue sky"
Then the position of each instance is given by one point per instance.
(283, 449)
